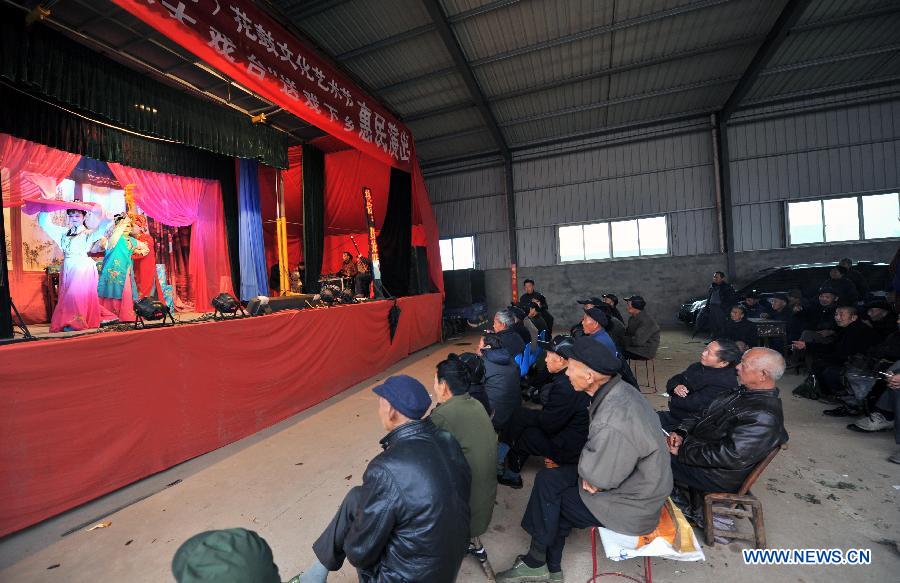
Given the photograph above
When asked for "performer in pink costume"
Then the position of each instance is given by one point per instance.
(78, 307)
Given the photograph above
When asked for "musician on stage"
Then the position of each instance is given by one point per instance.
(348, 267)
(363, 277)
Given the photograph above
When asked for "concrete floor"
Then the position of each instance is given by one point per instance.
(831, 489)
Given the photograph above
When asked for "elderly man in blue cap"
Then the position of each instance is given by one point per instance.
(409, 520)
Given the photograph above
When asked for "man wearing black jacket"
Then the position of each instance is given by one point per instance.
(559, 430)
(531, 296)
(390, 527)
(853, 337)
(719, 300)
(739, 329)
(694, 389)
(715, 451)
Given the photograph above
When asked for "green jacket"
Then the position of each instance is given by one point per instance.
(465, 418)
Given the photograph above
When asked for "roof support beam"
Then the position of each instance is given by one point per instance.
(832, 59)
(846, 19)
(701, 51)
(385, 42)
(621, 100)
(788, 18)
(459, 59)
(599, 31)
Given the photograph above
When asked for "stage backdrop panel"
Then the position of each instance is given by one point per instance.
(85, 416)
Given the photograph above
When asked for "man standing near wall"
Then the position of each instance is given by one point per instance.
(719, 300)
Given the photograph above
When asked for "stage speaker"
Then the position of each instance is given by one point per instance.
(265, 305)
(418, 271)
(464, 287)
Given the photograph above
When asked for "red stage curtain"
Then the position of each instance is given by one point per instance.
(346, 173)
(71, 438)
(180, 201)
(423, 215)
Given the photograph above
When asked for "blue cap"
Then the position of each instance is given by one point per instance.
(406, 395)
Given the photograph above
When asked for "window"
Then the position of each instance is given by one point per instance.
(458, 253)
(614, 239)
(875, 216)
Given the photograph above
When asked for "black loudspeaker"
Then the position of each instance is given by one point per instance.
(418, 271)
(263, 305)
(464, 287)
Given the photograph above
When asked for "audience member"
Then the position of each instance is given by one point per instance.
(501, 379)
(716, 450)
(233, 555)
(842, 286)
(464, 417)
(531, 296)
(523, 326)
(594, 324)
(740, 330)
(475, 366)
(719, 300)
(558, 431)
(858, 279)
(614, 327)
(622, 478)
(612, 301)
(778, 311)
(880, 317)
(586, 304)
(642, 333)
(512, 337)
(889, 405)
(691, 391)
(853, 337)
(753, 307)
(390, 527)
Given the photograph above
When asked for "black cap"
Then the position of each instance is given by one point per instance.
(531, 281)
(561, 345)
(782, 297)
(612, 297)
(595, 356)
(637, 302)
(598, 316)
(881, 304)
(592, 300)
(827, 289)
(752, 294)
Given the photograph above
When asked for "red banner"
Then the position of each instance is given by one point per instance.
(247, 45)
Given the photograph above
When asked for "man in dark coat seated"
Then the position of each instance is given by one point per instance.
(390, 527)
(740, 330)
(557, 431)
(501, 380)
(694, 389)
(853, 337)
(716, 450)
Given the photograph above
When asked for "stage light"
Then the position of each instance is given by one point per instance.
(347, 297)
(151, 310)
(226, 304)
(327, 295)
(261, 118)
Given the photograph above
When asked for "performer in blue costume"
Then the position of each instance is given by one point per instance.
(117, 288)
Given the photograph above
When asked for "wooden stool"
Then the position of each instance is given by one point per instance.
(737, 505)
(646, 569)
(649, 375)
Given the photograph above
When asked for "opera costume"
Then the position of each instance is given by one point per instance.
(117, 287)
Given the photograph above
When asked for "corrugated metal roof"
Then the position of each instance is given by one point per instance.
(549, 69)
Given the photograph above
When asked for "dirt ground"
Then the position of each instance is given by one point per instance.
(831, 488)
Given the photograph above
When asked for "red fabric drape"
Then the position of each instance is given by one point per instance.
(19, 156)
(423, 214)
(180, 201)
(335, 245)
(70, 438)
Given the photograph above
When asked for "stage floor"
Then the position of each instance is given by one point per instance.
(42, 330)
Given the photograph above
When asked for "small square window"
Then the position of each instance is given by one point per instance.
(458, 253)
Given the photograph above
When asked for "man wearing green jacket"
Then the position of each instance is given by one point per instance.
(464, 417)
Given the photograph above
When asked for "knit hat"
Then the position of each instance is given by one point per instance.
(233, 555)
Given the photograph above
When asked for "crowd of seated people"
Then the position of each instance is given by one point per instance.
(606, 458)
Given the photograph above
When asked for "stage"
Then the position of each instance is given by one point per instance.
(87, 415)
